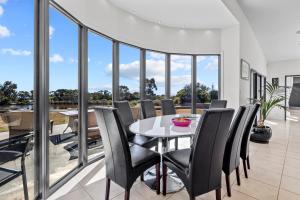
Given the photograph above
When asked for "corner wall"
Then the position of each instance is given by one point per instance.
(250, 49)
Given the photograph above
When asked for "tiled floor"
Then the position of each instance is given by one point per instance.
(274, 174)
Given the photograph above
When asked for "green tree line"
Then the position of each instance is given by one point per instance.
(10, 95)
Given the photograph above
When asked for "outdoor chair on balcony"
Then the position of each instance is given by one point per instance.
(20, 122)
(10, 150)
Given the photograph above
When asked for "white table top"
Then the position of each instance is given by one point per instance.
(163, 127)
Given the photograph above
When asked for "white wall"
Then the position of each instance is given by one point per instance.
(282, 68)
(230, 45)
(250, 49)
(279, 70)
(114, 22)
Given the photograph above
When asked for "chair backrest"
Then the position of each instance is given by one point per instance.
(116, 148)
(19, 122)
(147, 109)
(218, 104)
(248, 126)
(208, 147)
(167, 107)
(125, 114)
(233, 146)
(92, 122)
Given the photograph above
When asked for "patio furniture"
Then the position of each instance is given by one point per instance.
(246, 135)
(231, 159)
(123, 163)
(200, 167)
(20, 122)
(218, 104)
(93, 129)
(11, 150)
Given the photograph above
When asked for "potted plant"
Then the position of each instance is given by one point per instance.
(261, 132)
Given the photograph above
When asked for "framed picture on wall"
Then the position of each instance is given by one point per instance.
(275, 81)
(245, 70)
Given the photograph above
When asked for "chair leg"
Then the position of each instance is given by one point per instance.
(238, 179)
(248, 162)
(142, 177)
(24, 179)
(176, 143)
(158, 178)
(164, 179)
(228, 186)
(107, 189)
(156, 148)
(245, 168)
(218, 194)
(127, 195)
(192, 198)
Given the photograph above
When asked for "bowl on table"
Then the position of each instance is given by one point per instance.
(181, 121)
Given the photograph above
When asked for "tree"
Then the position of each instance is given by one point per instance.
(124, 93)
(8, 93)
(23, 97)
(185, 94)
(202, 93)
(150, 87)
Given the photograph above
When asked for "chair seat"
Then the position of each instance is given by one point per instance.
(143, 141)
(179, 158)
(7, 156)
(7, 175)
(141, 156)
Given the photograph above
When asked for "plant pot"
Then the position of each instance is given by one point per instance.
(261, 134)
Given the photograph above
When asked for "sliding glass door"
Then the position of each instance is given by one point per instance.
(16, 94)
(64, 131)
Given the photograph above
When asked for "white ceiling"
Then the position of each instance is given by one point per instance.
(191, 14)
(275, 23)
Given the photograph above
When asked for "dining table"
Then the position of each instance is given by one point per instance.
(163, 128)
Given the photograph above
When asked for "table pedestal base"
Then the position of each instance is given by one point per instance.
(174, 184)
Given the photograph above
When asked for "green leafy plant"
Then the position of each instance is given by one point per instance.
(268, 103)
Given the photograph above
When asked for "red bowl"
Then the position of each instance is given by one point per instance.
(183, 122)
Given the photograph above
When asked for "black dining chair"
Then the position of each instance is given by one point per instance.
(167, 107)
(231, 160)
(147, 109)
(218, 104)
(127, 119)
(11, 150)
(123, 163)
(200, 167)
(246, 135)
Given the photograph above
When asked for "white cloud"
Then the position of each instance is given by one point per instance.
(1, 10)
(3, 1)
(56, 58)
(155, 67)
(212, 64)
(73, 60)
(51, 31)
(16, 52)
(4, 32)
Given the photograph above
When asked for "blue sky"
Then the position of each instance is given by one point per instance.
(16, 55)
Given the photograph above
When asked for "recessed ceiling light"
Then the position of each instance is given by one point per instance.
(298, 32)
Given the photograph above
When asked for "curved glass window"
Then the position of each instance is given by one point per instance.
(181, 67)
(99, 87)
